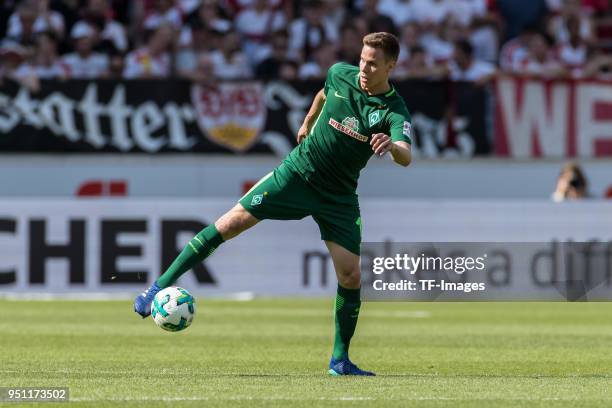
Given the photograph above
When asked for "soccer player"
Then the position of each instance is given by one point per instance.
(356, 115)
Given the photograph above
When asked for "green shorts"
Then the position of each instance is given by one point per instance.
(283, 195)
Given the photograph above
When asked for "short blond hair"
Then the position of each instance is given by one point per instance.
(386, 42)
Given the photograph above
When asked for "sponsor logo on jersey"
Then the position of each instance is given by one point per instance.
(374, 118)
(351, 122)
(406, 129)
(349, 127)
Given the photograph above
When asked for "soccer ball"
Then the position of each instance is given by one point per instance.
(173, 309)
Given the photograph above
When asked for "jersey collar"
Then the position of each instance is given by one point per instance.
(380, 99)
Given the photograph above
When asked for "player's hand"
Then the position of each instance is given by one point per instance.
(381, 143)
(302, 134)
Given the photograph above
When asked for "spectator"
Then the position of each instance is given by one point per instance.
(310, 31)
(484, 36)
(558, 26)
(414, 62)
(152, 60)
(571, 184)
(435, 25)
(334, 14)
(289, 70)
(599, 67)
(6, 10)
(518, 14)
(573, 52)
(84, 63)
(254, 23)
(419, 66)
(21, 25)
(204, 19)
(430, 13)
(350, 44)
(439, 43)
(45, 64)
(468, 11)
(116, 65)
(209, 15)
(204, 74)
(324, 57)
(554, 6)
(400, 11)
(516, 50)
(236, 6)
(187, 7)
(70, 10)
(36, 16)
(99, 15)
(596, 7)
(410, 37)
(465, 68)
(433, 12)
(230, 62)
(270, 67)
(377, 22)
(165, 13)
(540, 60)
(201, 40)
(361, 24)
(12, 55)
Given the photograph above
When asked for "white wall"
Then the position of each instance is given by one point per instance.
(223, 176)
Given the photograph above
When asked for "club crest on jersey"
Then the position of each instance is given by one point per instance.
(257, 199)
(374, 118)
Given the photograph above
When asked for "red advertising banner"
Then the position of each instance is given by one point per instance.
(553, 118)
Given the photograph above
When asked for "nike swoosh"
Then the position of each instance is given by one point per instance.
(336, 94)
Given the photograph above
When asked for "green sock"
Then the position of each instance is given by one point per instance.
(199, 248)
(348, 303)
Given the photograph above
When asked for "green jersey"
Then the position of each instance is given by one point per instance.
(338, 146)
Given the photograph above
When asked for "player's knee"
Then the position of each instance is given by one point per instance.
(234, 222)
(229, 226)
(350, 277)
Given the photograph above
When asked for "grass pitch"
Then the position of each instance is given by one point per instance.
(272, 353)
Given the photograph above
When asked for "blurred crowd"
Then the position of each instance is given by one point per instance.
(205, 40)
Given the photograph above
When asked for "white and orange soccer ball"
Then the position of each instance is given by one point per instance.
(173, 309)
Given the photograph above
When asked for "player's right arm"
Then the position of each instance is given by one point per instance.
(312, 116)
